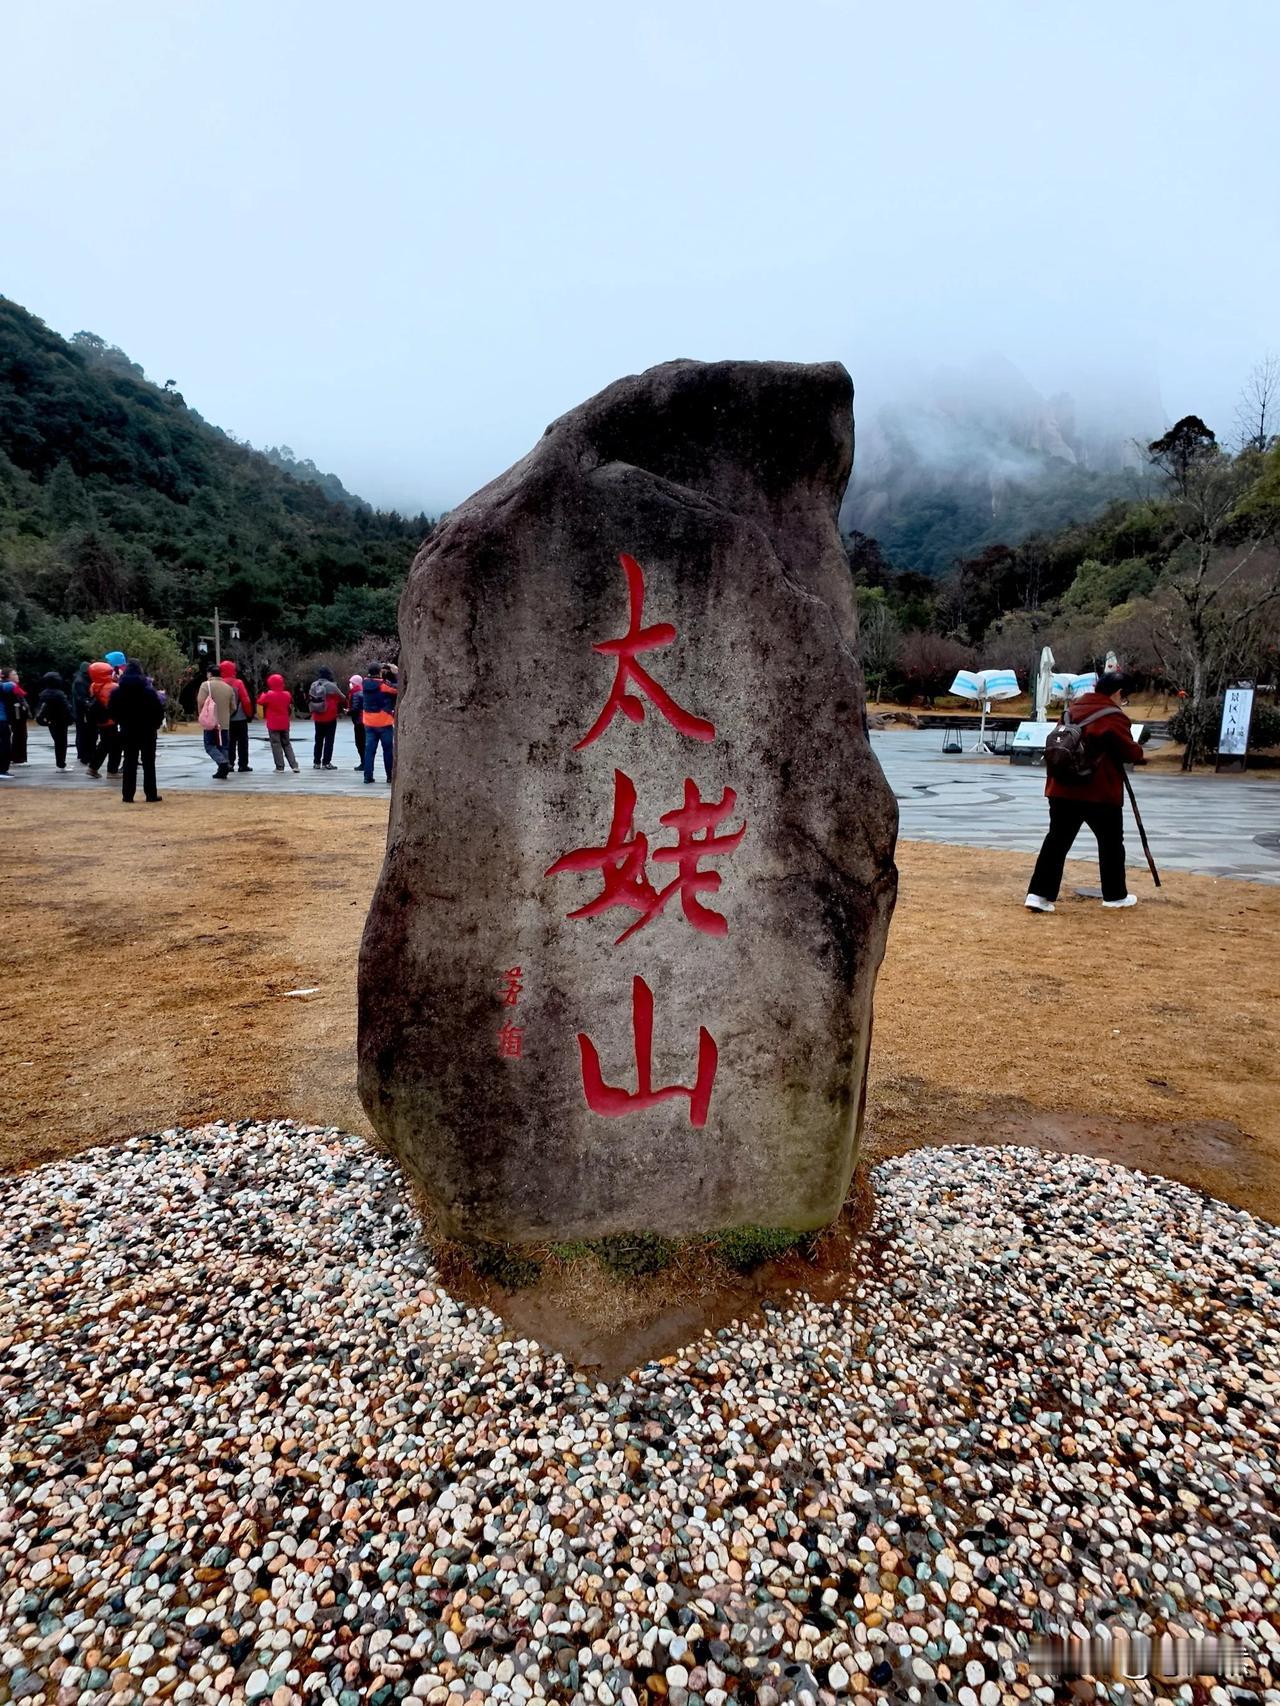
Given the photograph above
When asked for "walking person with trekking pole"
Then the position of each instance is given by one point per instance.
(1084, 758)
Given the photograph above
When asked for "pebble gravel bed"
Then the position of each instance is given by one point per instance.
(252, 1451)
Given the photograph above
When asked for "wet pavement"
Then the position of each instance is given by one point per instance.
(1217, 825)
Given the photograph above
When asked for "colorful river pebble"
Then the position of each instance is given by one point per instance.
(252, 1451)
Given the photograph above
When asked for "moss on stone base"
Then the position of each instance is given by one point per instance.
(626, 1255)
(743, 1248)
(636, 1255)
(505, 1264)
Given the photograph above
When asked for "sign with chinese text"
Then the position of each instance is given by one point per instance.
(1237, 713)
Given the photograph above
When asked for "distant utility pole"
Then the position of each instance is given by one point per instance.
(215, 639)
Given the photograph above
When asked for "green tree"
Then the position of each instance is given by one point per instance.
(156, 649)
(1221, 512)
(1099, 587)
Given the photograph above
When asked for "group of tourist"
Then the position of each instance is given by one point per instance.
(116, 712)
(225, 710)
(114, 709)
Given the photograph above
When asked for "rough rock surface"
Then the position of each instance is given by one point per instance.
(688, 513)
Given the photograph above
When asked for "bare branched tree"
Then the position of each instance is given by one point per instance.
(929, 662)
(1258, 411)
(1223, 511)
(879, 637)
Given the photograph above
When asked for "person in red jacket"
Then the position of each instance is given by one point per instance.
(1098, 800)
(277, 708)
(241, 716)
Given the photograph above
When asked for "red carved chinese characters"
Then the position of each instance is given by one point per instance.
(511, 1036)
(623, 858)
(623, 864)
(610, 1101)
(639, 639)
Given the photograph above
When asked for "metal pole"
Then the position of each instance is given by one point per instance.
(217, 637)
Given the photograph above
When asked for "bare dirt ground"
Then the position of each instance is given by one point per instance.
(149, 955)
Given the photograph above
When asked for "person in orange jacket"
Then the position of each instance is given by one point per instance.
(102, 680)
(380, 686)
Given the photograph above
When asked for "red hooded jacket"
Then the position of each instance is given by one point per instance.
(227, 670)
(1109, 747)
(277, 704)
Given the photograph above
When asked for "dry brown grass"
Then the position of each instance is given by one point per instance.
(149, 952)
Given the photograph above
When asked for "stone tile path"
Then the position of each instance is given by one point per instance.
(1220, 826)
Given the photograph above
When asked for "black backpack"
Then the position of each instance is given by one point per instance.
(1066, 756)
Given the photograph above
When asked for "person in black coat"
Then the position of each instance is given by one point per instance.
(138, 711)
(53, 710)
(86, 732)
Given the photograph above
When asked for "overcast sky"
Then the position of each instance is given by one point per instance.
(401, 236)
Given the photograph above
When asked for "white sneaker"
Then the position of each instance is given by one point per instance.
(1038, 903)
(1129, 900)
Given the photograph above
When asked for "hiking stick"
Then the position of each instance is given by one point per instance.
(1142, 834)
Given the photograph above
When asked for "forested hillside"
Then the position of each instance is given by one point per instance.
(1183, 585)
(116, 497)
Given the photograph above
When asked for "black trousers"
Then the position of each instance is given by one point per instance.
(85, 736)
(239, 746)
(1066, 819)
(20, 741)
(6, 746)
(107, 745)
(357, 729)
(58, 734)
(324, 742)
(139, 746)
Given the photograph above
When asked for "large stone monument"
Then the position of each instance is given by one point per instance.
(618, 971)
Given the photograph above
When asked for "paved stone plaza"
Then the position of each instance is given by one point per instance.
(1220, 826)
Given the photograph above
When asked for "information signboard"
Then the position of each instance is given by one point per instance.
(1237, 712)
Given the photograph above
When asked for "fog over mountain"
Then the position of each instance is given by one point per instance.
(404, 242)
(967, 455)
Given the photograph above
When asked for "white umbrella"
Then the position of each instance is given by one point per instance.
(985, 685)
(1071, 686)
(1044, 685)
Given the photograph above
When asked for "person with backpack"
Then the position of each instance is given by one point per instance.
(1084, 758)
(138, 711)
(106, 736)
(380, 688)
(214, 704)
(241, 716)
(80, 710)
(54, 712)
(355, 704)
(324, 701)
(277, 708)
